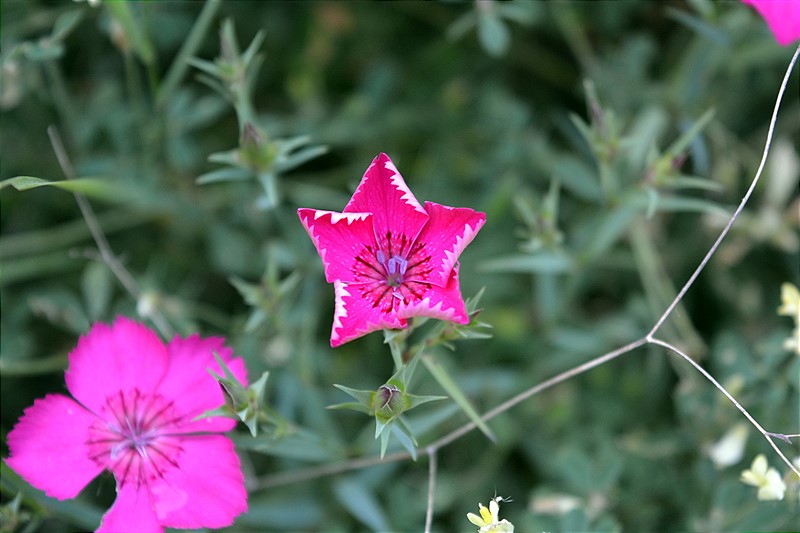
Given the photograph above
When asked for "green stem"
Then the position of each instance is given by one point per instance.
(63, 104)
(180, 64)
(396, 345)
(659, 290)
(269, 183)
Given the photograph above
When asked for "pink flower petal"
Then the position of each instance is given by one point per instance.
(339, 238)
(132, 511)
(397, 216)
(354, 316)
(48, 447)
(406, 268)
(205, 490)
(448, 232)
(444, 303)
(782, 17)
(192, 389)
(124, 356)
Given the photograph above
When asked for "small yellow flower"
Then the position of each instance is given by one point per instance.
(768, 480)
(790, 306)
(729, 450)
(790, 302)
(488, 521)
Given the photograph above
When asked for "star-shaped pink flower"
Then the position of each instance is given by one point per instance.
(133, 413)
(388, 257)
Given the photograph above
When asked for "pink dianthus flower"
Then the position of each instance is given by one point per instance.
(135, 401)
(389, 257)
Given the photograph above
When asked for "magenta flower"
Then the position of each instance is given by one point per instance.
(133, 414)
(388, 257)
(782, 17)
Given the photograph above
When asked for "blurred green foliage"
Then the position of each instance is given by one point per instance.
(606, 141)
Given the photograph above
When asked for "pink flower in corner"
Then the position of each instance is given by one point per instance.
(135, 400)
(388, 257)
(782, 17)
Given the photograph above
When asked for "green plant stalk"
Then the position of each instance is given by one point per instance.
(180, 64)
(241, 102)
(133, 81)
(660, 291)
(396, 346)
(566, 20)
(30, 267)
(140, 44)
(64, 106)
(269, 183)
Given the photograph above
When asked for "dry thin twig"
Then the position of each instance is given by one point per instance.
(106, 254)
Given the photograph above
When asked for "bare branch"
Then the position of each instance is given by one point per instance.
(106, 254)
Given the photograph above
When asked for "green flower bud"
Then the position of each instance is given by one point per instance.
(388, 402)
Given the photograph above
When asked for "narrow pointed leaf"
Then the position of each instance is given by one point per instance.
(134, 30)
(353, 406)
(544, 262)
(415, 400)
(364, 397)
(88, 186)
(362, 504)
(224, 174)
(443, 377)
(384, 441)
(688, 136)
(406, 438)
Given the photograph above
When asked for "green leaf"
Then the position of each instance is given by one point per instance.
(579, 178)
(610, 228)
(89, 186)
(206, 66)
(18, 367)
(415, 400)
(285, 163)
(449, 385)
(97, 287)
(353, 406)
(462, 25)
(493, 34)
(65, 23)
(691, 205)
(699, 26)
(134, 30)
(229, 157)
(362, 504)
(224, 174)
(403, 434)
(524, 13)
(680, 144)
(42, 51)
(544, 262)
(693, 182)
(364, 397)
(33, 266)
(249, 55)
(182, 61)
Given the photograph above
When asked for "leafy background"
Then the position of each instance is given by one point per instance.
(557, 119)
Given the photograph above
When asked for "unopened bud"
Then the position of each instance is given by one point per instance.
(388, 402)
